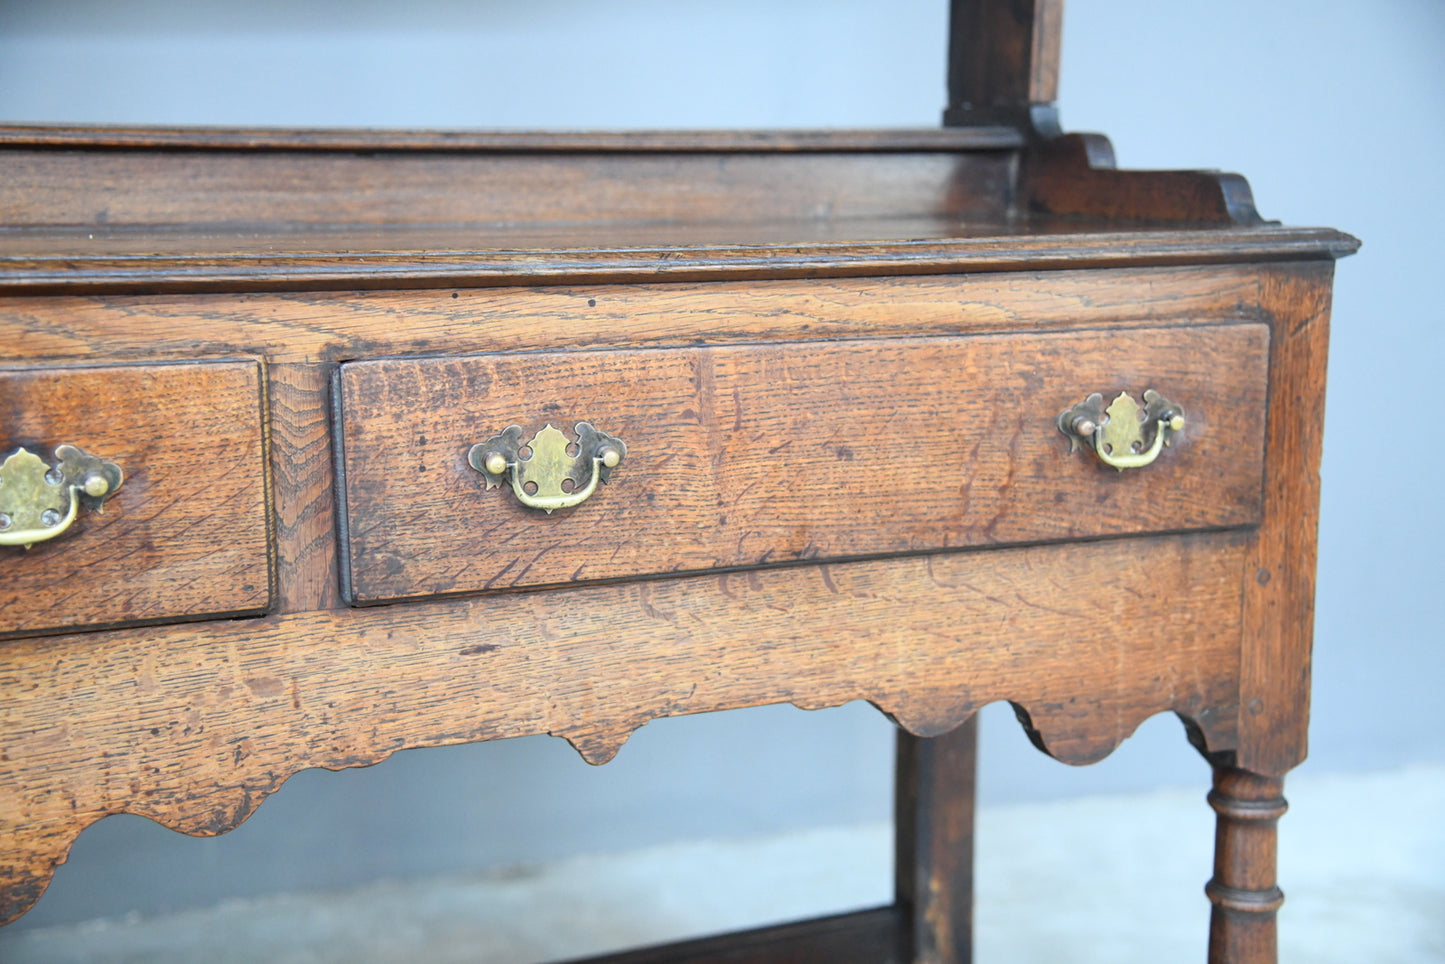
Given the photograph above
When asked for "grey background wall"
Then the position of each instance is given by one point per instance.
(1332, 108)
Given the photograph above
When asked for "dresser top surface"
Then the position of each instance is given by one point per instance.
(131, 257)
(170, 209)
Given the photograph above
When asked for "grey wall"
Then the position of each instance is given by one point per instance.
(1333, 109)
(485, 63)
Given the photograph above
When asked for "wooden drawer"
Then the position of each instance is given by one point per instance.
(185, 535)
(756, 454)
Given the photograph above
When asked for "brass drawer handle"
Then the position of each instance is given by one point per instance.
(549, 477)
(40, 501)
(1124, 435)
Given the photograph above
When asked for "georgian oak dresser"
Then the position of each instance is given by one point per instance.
(322, 445)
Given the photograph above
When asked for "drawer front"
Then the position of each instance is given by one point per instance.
(759, 454)
(184, 536)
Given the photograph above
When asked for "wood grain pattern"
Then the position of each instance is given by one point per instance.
(1002, 59)
(185, 536)
(63, 262)
(299, 188)
(1279, 576)
(1047, 41)
(862, 937)
(194, 725)
(306, 329)
(750, 455)
(307, 571)
(309, 327)
(1075, 175)
(833, 276)
(1242, 892)
(933, 821)
(830, 140)
(1278, 616)
(230, 210)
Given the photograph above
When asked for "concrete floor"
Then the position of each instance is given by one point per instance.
(1116, 879)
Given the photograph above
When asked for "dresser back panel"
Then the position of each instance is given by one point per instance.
(331, 189)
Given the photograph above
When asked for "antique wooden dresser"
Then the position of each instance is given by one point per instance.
(322, 445)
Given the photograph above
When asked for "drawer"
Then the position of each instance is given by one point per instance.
(184, 536)
(748, 455)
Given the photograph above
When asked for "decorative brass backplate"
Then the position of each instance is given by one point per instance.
(40, 501)
(1125, 435)
(548, 478)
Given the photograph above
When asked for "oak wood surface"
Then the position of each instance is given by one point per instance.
(309, 188)
(771, 236)
(138, 247)
(133, 210)
(194, 725)
(185, 536)
(862, 937)
(933, 819)
(750, 455)
(1075, 175)
(305, 518)
(1278, 615)
(303, 331)
(1243, 895)
(1003, 58)
(306, 327)
(70, 260)
(351, 140)
(1279, 576)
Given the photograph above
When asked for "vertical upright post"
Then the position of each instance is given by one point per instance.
(1243, 890)
(1003, 62)
(933, 837)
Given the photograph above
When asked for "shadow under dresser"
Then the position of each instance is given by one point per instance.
(323, 445)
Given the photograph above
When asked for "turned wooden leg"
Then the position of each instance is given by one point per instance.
(1243, 891)
(933, 835)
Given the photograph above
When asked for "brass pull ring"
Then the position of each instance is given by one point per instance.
(549, 478)
(40, 501)
(1124, 435)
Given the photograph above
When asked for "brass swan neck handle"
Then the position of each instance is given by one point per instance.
(39, 501)
(546, 476)
(1125, 435)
